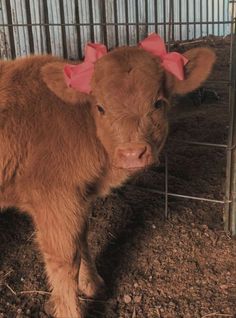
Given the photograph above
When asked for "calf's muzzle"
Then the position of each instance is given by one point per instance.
(133, 156)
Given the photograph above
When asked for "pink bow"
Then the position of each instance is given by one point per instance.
(79, 76)
(173, 62)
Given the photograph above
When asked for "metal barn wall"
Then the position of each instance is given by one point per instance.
(62, 27)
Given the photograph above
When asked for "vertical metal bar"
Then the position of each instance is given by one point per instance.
(207, 16)
(47, 31)
(170, 22)
(137, 20)
(232, 214)
(194, 19)
(25, 29)
(155, 16)
(90, 6)
(10, 30)
(116, 26)
(127, 21)
(70, 47)
(224, 17)
(5, 52)
(17, 16)
(41, 27)
(218, 16)
(180, 20)
(146, 18)
(77, 20)
(187, 18)
(201, 18)
(103, 18)
(164, 18)
(29, 27)
(63, 29)
(230, 192)
(166, 185)
(52, 14)
(213, 16)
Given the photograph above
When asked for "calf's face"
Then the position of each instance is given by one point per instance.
(130, 109)
(130, 100)
(132, 97)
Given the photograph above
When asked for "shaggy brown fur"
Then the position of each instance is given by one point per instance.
(61, 148)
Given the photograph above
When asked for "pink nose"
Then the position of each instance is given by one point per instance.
(133, 156)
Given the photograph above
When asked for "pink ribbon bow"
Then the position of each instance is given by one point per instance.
(79, 76)
(173, 62)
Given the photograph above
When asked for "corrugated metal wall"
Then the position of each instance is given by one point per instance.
(62, 27)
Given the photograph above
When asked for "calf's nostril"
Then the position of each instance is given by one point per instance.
(143, 151)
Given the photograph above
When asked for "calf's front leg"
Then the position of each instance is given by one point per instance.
(57, 232)
(90, 282)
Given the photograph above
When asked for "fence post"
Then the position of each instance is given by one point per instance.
(230, 211)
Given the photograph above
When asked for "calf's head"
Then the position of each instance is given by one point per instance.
(130, 96)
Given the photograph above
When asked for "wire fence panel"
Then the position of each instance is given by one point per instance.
(62, 27)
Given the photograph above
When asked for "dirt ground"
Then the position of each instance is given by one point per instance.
(183, 267)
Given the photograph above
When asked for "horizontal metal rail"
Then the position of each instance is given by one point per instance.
(198, 143)
(181, 196)
(226, 82)
(112, 23)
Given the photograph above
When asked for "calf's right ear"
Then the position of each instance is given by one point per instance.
(197, 70)
(53, 76)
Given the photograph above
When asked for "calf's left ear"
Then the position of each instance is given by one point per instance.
(197, 70)
(53, 76)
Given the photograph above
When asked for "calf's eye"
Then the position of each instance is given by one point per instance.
(100, 109)
(159, 103)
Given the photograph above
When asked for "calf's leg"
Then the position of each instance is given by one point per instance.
(90, 283)
(57, 231)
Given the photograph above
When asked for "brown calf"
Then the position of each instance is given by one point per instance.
(61, 148)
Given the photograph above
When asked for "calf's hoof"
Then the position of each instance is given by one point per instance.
(92, 287)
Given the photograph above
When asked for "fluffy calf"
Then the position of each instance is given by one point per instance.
(61, 148)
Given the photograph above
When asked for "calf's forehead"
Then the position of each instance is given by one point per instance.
(127, 75)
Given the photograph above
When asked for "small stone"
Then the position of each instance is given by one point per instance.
(135, 285)
(224, 286)
(153, 226)
(127, 299)
(137, 299)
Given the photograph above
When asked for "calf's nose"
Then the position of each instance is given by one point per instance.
(133, 156)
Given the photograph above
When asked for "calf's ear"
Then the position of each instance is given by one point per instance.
(197, 70)
(53, 76)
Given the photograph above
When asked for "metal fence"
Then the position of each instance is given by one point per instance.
(62, 27)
